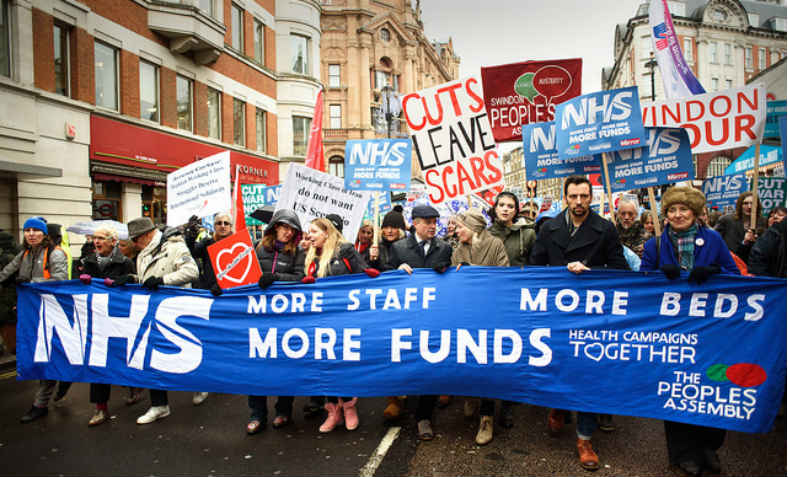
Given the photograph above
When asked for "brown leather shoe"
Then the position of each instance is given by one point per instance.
(393, 409)
(555, 421)
(588, 458)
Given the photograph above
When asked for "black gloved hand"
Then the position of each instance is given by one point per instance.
(671, 271)
(216, 290)
(266, 279)
(440, 268)
(701, 274)
(152, 283)
(123, 279)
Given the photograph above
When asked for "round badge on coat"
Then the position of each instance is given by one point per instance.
(699, 242)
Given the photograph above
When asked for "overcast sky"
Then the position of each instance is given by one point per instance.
(494, 32)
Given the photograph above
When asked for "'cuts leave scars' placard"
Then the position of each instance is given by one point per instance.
(452, 138)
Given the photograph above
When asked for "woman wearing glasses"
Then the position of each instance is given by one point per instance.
(281, 259)
(106, 262)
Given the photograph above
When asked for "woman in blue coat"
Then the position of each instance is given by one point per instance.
(687, 245)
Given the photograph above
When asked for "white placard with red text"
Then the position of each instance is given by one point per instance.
(234, 261)
(715, 121)
(453, 139)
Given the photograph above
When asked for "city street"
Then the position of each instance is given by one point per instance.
(210, 440)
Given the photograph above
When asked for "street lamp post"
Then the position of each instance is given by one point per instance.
(651, 64)
(390, 105)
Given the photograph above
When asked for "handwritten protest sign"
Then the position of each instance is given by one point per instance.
(312, 194)
(452, 139)
(715, 121)
(599, 122)
(256, 196)
(724, 190)
(377, 164)
(771, 192)
(523, 93)
(201, 188)
(234, 261)
(541, 157)
(665, 159)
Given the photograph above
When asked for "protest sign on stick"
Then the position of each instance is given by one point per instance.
(664, 159)
(771, 192)
(201, 188)
(312, 194)
(541, 157)
(756, 172)
(234, 261)
(523, 93)
(724, 190)
(452, 139)
(256, 196)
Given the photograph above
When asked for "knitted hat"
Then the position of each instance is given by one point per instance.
(336, 220)
(36, 223)
(472, 219)
(692, 198)
(394, 219)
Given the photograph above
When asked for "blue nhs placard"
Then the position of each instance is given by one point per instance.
(599, 122)
(541, 158)
(378, 164)
(666, 158)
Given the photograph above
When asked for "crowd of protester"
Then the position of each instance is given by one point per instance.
(576, 238)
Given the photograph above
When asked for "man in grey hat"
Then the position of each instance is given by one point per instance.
(422, 250)
(163, 259)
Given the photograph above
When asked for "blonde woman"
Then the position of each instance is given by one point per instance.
(329, 255)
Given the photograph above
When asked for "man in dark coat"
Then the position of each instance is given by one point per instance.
(768, 255)
(422, 250)
(579, 239)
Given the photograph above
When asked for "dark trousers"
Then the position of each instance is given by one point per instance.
(99, 393)
(259, 406)
(488, 407)
(425, 407)
(687, 442)
(158, 397)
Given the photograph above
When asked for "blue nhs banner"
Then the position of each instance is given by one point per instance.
(378, 164)
(722, 191)
(599, 122)
(541, 157)
(666, 158)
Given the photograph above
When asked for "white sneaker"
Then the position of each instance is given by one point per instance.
(199, 398)
(154, 413)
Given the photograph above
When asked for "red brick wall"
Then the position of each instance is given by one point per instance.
(43, 51)
(126, 13)
(251, 127)
(83, 86)
(228, 23)
(270, 48)
(130, 84)
(227, 118)
(200, 109)
(268, 5)
(169, 113)
(271, 126)
(248, 46)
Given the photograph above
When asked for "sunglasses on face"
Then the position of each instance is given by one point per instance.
(222, 222)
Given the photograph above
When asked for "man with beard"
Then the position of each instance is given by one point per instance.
(579, 240)
(629, 228)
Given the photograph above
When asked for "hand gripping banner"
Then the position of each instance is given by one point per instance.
(605, 341)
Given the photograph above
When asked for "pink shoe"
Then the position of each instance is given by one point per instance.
(351, 415)
(334, 417)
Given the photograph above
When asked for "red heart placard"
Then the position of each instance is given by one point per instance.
(234, 260)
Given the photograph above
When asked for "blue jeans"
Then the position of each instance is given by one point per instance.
(586, 424)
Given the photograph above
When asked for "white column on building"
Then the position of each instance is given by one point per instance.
(131, 200)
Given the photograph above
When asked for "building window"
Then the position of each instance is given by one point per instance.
(183, 93)
(382, 79)
(728, 54)
(748, 58)
(395, 82)
(259, 42)
(333, 76)
(206, 6)
(717, 166)
(713, 51)
(335, 116)
(237, 27)
(239, 122)
(336, 166)
(260, 122)
(715, 84)
(149, 91)
(728, 84)
(300, 134)
(5, 39)
(300, 54)
(106, 75)
(385, 34)
(645, 47)
(761, 58)
(214, 113)
(688, 49)
(61, 34)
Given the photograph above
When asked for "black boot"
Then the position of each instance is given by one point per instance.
(33, 414)
(712, 461)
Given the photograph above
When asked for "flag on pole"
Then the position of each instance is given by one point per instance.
(677, 77)
(314, 151)
(238, 202)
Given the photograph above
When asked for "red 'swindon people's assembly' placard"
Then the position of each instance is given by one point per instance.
(234, 260)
